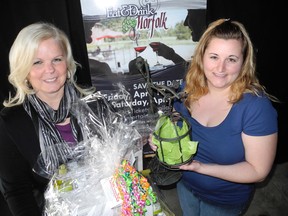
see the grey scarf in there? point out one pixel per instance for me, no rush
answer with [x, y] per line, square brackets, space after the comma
[54, 150]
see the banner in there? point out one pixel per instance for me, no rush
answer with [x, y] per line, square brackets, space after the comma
[159, 31]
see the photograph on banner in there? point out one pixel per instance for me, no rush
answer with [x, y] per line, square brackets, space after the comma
[162, 32]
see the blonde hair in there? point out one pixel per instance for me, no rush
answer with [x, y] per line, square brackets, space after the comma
[21, 57]
[247, 81]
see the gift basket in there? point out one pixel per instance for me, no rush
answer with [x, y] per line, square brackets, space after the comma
[97, 176]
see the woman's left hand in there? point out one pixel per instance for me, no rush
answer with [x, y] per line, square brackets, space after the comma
[192, 166]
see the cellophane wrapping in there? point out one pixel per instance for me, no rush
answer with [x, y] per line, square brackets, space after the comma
[109, 137]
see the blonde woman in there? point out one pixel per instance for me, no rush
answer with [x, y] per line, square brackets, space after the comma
[38, 115]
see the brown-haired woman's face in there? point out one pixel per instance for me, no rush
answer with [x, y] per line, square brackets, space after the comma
[49, 70]
[222, 62]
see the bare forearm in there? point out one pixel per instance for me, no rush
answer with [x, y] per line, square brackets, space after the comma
[240, 173]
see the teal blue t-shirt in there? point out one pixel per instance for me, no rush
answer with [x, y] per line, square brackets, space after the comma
[223, 144]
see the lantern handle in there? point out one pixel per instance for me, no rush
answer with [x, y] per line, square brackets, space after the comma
[168, 93]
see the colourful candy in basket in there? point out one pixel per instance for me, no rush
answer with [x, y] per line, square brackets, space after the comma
[134, 189]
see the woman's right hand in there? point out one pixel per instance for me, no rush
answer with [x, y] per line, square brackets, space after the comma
[151, 144]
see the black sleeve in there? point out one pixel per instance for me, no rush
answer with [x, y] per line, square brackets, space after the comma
[16, 173]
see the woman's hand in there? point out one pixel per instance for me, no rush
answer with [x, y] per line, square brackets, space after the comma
[151, 144]
[191, 166]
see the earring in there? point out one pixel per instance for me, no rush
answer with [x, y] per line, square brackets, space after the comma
[27, 83]
[68, 75]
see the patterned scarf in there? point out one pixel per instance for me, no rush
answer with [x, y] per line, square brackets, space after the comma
[49, 136]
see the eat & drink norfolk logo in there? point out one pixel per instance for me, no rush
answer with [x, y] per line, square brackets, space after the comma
[140, 17]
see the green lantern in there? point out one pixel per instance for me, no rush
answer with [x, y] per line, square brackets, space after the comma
[172, 137]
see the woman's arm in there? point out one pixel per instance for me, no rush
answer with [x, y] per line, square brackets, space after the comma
[260, 153]
[15, 174]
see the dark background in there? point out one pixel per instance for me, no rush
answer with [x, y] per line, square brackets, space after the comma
[264, 21]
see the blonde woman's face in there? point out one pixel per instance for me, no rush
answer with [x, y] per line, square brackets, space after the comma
[49, 70]
[222, 62]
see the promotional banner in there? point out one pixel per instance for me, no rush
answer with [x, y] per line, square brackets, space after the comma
[158, 31]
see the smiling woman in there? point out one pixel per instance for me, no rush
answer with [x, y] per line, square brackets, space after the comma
[45, 91]
[49, 72]
[234, 150]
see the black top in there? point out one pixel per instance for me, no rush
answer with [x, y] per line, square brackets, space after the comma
[19, 150]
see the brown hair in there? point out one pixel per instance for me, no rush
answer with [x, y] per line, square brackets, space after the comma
[247, 81]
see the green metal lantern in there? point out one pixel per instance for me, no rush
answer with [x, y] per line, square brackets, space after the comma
[172, 137]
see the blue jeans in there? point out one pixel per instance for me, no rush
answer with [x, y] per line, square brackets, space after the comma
[193, 206]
